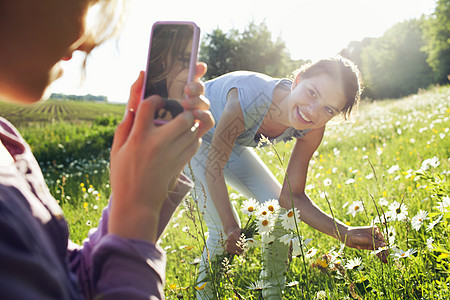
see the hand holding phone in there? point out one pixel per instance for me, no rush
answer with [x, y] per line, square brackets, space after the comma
[171, 65]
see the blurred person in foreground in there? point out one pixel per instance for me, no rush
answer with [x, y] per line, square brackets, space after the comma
[120, 259]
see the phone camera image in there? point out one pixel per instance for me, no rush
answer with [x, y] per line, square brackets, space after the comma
[171, 64]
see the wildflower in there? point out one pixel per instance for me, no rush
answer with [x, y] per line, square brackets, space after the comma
[296, 246]
[370, 176]
[418, 219]
[383, 202]
[286, 239]
[355, 207]
[443, 206]
[200, 287]
[380, 249]
[196, 261]
[311, 252]
[258, 285]
[353, 263]
[288, 220]
[292, 283]
[185, 228]
[267, 238]
[398, 211]
[249, 207]
[430, 162]
[434, 223]
[393, 169]
[88, 223]
[350, 181]
[252, 243]
[327, 182]
[320, 295]
[391, 235]
[272, 205]
[265, 225]
[323, 194]
[429, 243]
[403, 254]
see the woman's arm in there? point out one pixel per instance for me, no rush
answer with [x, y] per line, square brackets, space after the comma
[230, 125]
[293, 194]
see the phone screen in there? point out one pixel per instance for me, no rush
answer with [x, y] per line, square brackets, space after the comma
[171, 65]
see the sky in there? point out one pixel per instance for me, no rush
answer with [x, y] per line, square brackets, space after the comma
[311, 29]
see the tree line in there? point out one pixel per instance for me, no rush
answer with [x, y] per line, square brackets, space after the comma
[411, 55]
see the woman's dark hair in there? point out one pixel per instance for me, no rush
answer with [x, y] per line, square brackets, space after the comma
[345, 72]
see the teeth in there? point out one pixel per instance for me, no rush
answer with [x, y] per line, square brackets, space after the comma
[303, 116]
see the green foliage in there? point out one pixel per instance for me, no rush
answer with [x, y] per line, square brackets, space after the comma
[252, 50]
[437, 37]
[58, 130]
[394, 65]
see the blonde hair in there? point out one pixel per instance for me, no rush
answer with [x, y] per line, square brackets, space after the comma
[104, 21]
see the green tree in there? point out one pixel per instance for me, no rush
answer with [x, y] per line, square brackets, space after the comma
[253, 49]
[394, 65]
[219, 50]
[436, 31]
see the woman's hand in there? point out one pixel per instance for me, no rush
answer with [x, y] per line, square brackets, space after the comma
[145, 158]
[366, 237]
[231, 244]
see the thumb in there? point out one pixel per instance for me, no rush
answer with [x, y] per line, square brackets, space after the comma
[123, 130]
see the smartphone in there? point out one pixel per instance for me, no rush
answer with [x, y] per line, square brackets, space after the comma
[171, 64]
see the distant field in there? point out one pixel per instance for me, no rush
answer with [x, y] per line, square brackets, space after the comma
[59, 110]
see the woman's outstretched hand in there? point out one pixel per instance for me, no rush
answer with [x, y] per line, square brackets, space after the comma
[366, 237]
[145, 158]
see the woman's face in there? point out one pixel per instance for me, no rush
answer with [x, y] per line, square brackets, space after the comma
[314, 101]
[35, 36]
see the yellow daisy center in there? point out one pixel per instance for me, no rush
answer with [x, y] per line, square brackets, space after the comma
[250, 208]
[290, 214]
[265, 223]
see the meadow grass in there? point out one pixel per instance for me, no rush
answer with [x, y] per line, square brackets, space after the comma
[394, 157]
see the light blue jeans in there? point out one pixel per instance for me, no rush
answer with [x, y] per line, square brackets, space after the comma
[247, 174]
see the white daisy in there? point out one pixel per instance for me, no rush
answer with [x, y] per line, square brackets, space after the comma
[267, 238]
[403, 254]
[370, 176]
[418, 219]
[258, 285]
[327, 182]
[272, 205]
[391, 235]
[311, 252]
[393, 169]
[252, 243]
[289, 218]
[286, 239]
[398, 211]
[355, 207]
[249, 207]
[383, 202]
[265, 225]
[296, 247]
[353, 263]
[350, 181]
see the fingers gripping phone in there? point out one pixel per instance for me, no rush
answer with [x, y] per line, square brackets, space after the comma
[171, 65]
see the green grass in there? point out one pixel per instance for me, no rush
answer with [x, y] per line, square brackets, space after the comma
[374, 158]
